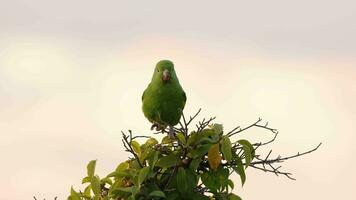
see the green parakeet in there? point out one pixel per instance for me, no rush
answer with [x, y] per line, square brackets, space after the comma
[163, 100]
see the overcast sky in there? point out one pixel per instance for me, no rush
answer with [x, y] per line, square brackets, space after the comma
[72, 74]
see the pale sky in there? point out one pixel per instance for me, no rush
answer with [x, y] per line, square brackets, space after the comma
[72, 74]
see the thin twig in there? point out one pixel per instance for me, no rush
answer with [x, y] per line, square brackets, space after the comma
[128, 147]
[240, 130]
[194, 116]
[288, 175]
[279, 159]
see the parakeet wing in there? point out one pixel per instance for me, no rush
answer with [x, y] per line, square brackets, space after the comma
[143, 94]
[184, 99]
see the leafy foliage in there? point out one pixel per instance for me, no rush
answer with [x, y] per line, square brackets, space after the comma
[193, 165]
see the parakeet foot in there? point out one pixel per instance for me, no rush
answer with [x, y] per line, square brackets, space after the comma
[156, 126]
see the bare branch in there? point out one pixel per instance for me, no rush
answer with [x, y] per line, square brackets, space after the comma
[127, 140]
[281, 159]
[231, 133]
[203, 124]
[270, 162]
[275, 171]
[194, 116]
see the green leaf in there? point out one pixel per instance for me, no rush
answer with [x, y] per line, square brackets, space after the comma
[157, 193]
[87, 191]
[74, 195]
[122, 166]
[119, 174]
[151, 142]
[143, 174]
[145, 152]
[147, 149]
[192, 138]
[86, 180]
[248, 151]
[136, 147]
[226, 148]
[91, 168]
[202, 137]
[181, 181]
[124, 192]
[200, 151]
[240, 169]
[191, 180]
[209, 180]
[218, 128]
[181, 138]
[233, 196]
[135, 165]
[167, 161]
[207, 133]
[135, 190]
[166, 140]
[106, 180]
[152, 160]
[86, 197]
[223, 177]
[95, 185]
[194, 164]
[231, 184]
[125, 189]
[207, 140]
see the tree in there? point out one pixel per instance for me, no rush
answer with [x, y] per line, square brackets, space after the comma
[194, 165]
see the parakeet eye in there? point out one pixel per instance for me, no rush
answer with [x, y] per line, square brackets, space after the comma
[157, 70]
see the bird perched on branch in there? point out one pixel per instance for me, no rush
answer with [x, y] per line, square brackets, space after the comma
[163, 100]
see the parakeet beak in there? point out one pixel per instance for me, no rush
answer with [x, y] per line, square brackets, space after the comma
[166, 76]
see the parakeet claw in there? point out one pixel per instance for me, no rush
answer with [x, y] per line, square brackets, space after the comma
[156, 126]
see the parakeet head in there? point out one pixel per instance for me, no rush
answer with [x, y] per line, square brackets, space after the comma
[164, 71]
